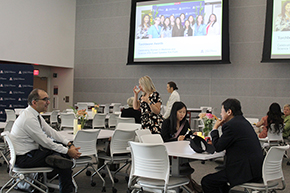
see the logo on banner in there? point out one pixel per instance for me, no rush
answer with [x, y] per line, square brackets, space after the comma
[10, 78]
[1, 99]
[19, 86]
[1, 85]
[1, 72]
[10, 92]
[10, 106]
[1, 112]
[19, 99]
[19, 72]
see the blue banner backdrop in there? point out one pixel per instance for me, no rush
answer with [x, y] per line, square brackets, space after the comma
[16, 82]
[194, 8]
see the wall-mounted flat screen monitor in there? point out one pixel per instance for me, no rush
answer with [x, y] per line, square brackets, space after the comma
[277, 32]
[177, 32]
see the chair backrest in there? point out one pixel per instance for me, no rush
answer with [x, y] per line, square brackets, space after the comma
[112, 122]
[141, 132]
[274, 137]
[67, 120]
[272, 166]
[125, 120]
[99, 120]
[8, 140]
[205, 109]
[82, 106]
[18, 111]
[152, 138]
[130, 126]
[87, 141]
[53, 116]
[150, 160]
[8, 126]
[119, 142]
[10, 115]
[116, 107]
[107, 108]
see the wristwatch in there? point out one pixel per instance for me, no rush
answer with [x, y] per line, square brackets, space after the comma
[71, 144]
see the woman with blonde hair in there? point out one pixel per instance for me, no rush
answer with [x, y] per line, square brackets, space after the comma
[149, 103]
[130, 112]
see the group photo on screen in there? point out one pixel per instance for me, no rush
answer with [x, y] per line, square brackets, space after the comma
[178, 19]
[178, 31]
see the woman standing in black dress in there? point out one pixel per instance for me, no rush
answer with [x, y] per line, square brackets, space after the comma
[149, 103]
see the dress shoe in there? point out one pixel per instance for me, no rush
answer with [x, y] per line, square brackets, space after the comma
[59, 162]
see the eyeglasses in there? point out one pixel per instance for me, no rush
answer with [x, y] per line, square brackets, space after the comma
[45, 99]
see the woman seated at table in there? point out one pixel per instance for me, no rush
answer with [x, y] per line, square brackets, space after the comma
[131, 112]
[272, 121]
[176, 128]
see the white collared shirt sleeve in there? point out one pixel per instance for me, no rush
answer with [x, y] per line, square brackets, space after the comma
[172, 99]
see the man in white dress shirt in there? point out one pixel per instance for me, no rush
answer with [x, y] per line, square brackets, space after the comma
[171, 88]
[34, 142]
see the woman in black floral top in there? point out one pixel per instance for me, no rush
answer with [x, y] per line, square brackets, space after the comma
[149, 103]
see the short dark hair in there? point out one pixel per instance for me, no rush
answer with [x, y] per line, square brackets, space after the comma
[173, 85]
[234, 105]
[33, 95]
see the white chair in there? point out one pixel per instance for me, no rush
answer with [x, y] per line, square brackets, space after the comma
[112, 122]
[141, 132]
[116, 108]
[119, 153]
[205, 109]
[22, 174]
[129, 126]
[82, 106]
[87, 140]
[4, 150]
[10, 115]
[99, 121]
[67, 120]
[151, 169]
[68, 111]
[18, 111]
[125, 120]
[53, 118]
[272, 172]
[152, 138]
[8, 126]
[107, 109]
[273, 139]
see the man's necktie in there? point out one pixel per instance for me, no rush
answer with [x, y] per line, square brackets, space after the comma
[39, 121]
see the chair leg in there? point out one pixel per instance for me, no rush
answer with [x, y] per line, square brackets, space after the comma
[6, 184]
[4, 157]
[96, 172]
[120, 168]
[110, 174]
[48, 182]
[39, 183]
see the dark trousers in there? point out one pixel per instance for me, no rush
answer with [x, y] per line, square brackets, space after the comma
[215, 183]
[36, 158]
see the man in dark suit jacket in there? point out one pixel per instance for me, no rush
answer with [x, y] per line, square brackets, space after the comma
[244, 156]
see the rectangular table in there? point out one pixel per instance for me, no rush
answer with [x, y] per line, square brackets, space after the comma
[182, 149]
[104, 134]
